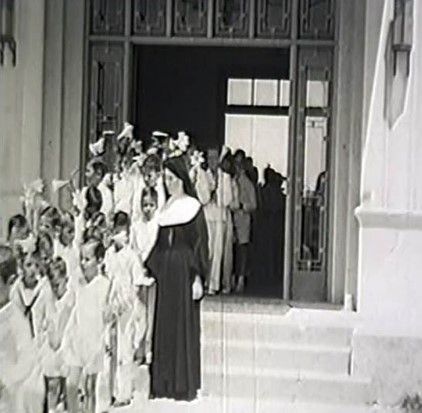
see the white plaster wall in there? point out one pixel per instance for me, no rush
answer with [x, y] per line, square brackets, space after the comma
[41, 99]
[390, 271]
[21, 108]
[63, 70]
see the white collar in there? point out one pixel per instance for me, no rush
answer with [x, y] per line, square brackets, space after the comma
[179, 211]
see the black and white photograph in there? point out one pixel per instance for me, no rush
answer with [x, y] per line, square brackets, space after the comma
[210, 206]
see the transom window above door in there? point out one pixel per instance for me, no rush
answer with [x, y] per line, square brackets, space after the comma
[258, 92]
[220, 19]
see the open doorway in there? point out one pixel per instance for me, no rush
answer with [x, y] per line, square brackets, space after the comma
[228, 96]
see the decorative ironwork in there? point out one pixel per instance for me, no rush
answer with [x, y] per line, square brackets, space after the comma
[190, 17]
[316, 19]
[310, 238]
[273, 18]
[108, 17]
[7, 29]
[232, 18]
[106, 86]
[150, 17]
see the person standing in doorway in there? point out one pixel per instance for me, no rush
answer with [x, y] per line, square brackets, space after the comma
[242, 219]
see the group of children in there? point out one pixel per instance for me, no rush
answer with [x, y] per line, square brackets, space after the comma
[80, 286]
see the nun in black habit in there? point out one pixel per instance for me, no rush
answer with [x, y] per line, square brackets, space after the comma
[179, 262]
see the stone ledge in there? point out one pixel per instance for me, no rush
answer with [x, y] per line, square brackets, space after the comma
[387, 218]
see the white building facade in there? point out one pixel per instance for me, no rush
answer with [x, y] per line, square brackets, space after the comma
[375, 197]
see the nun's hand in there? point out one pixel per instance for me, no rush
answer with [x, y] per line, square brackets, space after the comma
[197, 289]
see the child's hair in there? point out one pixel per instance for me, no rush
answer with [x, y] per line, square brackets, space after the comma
[148, 192]
[52, 214]
[90, 232]
[18, 221]
[99, 249]
[8, 265]
[121, 219]
[98, 220]
[57, 266]
[227, 164]
[152, 162]
[67, 218]
[43, 239]
[240, 153]
[99, 167]
[94, 202]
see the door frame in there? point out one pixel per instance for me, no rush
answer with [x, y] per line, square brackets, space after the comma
[128, 40]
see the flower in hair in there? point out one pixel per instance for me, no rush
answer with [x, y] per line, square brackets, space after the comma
[197, 159]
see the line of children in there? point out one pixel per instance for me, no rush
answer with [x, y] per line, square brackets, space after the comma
[82, 289]
[80, 275]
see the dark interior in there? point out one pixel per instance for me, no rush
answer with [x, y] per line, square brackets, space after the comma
[184, 87]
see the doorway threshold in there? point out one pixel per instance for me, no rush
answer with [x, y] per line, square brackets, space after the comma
[248, 304]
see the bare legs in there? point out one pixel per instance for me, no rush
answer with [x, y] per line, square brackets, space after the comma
[90, 401]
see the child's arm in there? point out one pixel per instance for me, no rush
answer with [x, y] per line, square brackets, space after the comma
[138, 273]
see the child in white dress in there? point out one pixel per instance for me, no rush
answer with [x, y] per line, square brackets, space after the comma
[123, 187]
[150, 177]
[58, 314]
[21, 386]
[143, 236]
[66, 247]
[124, 268]
[84, 338]
[30, 295]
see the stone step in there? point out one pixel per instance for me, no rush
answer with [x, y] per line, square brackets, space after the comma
[270, 329]
[287, 386]
[278, 357]
[245, 405]
[237, 405]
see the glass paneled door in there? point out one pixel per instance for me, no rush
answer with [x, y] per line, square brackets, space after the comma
[311, 171]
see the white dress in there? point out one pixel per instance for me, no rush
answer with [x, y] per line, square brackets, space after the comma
[20, 362]
[70, 255]
[123, 193]
[143, 235]
[37, 299]
[84, 340]
[127, 273]
[58, 315]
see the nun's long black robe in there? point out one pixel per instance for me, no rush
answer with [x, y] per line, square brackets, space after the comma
[180, 253]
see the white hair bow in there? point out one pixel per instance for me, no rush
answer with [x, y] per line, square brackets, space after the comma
[180, 145]
[127, 131]
[97, 148]
[57, 184]
[78, 200]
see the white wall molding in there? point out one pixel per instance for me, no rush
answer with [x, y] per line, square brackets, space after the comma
[370, 217]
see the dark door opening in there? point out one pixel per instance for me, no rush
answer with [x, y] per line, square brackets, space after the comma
[185, 88]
